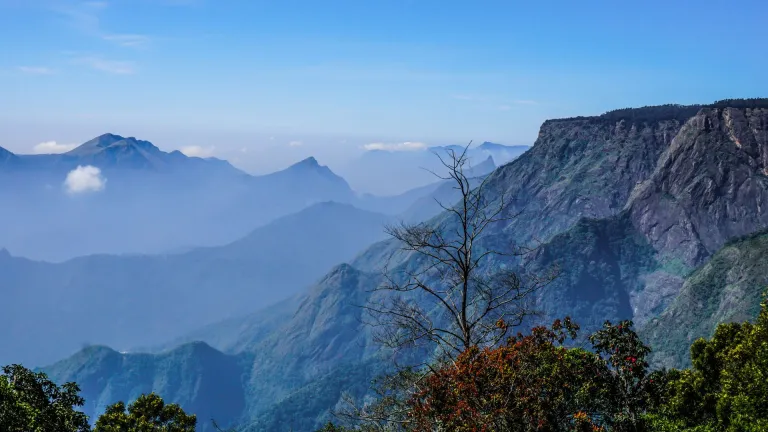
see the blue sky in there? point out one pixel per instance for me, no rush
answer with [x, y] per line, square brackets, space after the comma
[266, 82]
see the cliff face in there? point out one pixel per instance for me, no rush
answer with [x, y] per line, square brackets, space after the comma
[710, 184]
[579, 168]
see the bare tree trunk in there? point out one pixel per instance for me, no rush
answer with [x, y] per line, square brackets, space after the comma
[453, 301]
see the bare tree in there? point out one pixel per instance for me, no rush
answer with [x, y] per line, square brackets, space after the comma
[462, 295]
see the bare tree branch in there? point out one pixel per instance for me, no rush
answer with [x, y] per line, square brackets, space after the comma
[458, 298]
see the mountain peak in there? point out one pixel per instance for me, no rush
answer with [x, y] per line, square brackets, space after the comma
[309, 162]
[108, 140]
[308, 165]
[6, 155]
[486, 145]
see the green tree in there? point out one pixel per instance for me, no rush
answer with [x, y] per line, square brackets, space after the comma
[628, 389]
[29, 401]
[149, 413]
[726, 390]
[330, 427]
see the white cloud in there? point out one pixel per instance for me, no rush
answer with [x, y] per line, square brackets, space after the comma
[110, 66]
[36, 70]
[128, 40]
[295, 144]
[84, 179]
[198, 151]
[50, 147]
[404, 146]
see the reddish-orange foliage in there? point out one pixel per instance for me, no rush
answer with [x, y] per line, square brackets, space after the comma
[532, 383]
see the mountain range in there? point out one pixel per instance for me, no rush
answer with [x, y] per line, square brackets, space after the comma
[389, 172]
[655, 214]
[137, 198]
[124, 301]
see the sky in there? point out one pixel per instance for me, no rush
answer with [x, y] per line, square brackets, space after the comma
[266, 83]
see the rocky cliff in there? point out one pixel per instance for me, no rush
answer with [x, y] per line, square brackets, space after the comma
[709, 185]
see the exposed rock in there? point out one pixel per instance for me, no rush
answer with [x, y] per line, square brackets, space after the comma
[709, 185]
[579, 168]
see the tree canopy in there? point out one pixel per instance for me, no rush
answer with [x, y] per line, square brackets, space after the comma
[30, 402]
[537, 382]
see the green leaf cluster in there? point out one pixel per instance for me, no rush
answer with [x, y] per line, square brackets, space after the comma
[726, 389]
[30, 402]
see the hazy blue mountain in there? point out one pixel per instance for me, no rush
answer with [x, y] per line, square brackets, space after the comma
[422, 203]
[395, 204]
[200, 378]
[160, 201]
[429, 206]
[111, 152]
[126, 301]
[636, 206]
[151, 202]
[384, 172]
[485, 167]
[237, 334]
[7, 159]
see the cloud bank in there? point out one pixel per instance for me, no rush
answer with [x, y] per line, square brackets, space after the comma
[84, 179]
[404, 146]
[198, 151]
[52, 147]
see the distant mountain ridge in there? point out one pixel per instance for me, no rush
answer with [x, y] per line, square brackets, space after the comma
[162, 200]
[412, 168]
[109, 151]
[132, 300]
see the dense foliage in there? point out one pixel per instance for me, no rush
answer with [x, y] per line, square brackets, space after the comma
[727, 387]
[536, 382]
[30, 402]
[148, 413]
[655, 113]
[646, 114]
[741, 103]
[540, 381]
